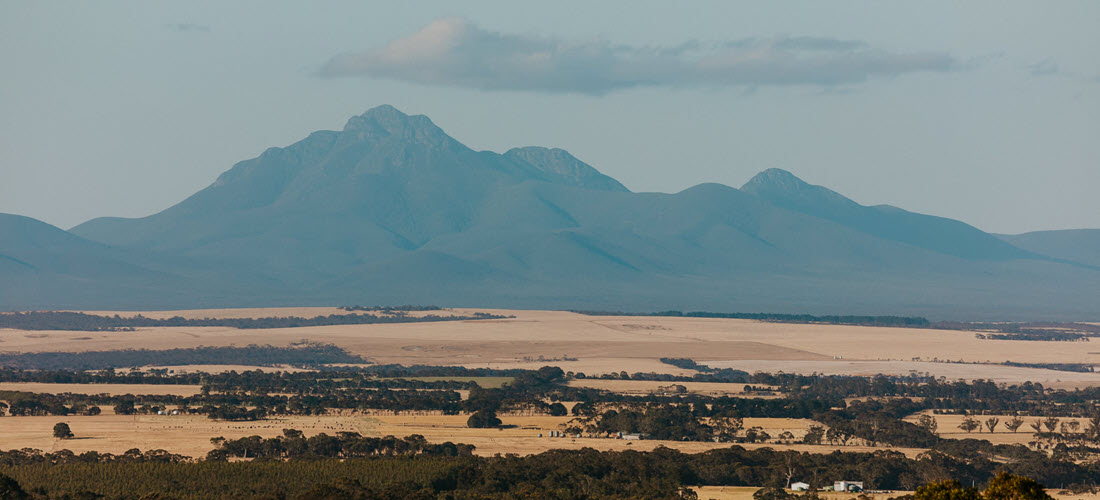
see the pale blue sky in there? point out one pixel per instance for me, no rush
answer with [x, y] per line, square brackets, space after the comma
[988, 112]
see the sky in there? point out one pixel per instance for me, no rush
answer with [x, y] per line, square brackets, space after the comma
[986, 112]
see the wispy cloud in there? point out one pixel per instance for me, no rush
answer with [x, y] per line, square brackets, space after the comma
[454, 52]
[188, 27]
[1046, 67]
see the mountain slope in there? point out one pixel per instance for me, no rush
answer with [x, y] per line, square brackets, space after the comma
[1075, 245]
[938, 234]
[44, 265]
[393, 210]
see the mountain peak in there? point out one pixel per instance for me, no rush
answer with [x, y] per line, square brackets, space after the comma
[787, 190]
[775, 179]
[565, 167]
[386, 120]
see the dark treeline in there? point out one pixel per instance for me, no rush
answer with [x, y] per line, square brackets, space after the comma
[662, 473]
[390, 309]
[1034, 331]
[302, 354]
[898, 321]
[294, 445]
[59, 320]
[384, 388]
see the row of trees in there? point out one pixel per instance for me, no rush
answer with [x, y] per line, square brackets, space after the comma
[76, 321]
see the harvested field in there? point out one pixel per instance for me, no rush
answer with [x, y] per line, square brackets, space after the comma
[190, 435]
[606, 344]
[948, 427]
[112, 389]
[951, 371]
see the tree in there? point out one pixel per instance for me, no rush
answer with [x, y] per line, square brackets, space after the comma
[946, 490]
[928, 423]
[125, 408]
[991, 424]
[969, 424]
[483, 419]
[1037, 425]
[1007, 486]
[61, 431]
[1093, 430]
[1014, 424]
[1051, 423]
[558, 410]
[814, 435]
[726, 428]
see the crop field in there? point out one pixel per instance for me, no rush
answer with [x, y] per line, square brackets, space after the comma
[190, 434]
[112, 389]
[607, 344]
[948, 427]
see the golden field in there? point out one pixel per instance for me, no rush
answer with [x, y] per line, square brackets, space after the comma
[605, 344]
[190, 434]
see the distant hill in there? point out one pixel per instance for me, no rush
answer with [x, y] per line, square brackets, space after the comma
[393, 210]
[41, 265]
[1075, 245]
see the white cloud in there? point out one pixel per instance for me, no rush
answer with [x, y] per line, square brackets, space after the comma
[454, 52]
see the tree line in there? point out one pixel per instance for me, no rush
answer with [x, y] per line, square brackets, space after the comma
[64, 320]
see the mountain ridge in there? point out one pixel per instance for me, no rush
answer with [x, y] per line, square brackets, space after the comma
[392, 209]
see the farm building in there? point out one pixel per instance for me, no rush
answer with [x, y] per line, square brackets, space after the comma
[855, 486]
[799, 486]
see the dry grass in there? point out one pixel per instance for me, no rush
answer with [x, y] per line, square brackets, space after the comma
[603, 344]
[948, 427]
[190, 435]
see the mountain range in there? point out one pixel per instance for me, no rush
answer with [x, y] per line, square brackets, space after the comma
[392, 210]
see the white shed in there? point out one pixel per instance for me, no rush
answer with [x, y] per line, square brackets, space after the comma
[799, 486]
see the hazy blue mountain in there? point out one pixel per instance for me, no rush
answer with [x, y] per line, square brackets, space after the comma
[1076, 245]
[393, 210]
[939, 234]
[42, 264]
